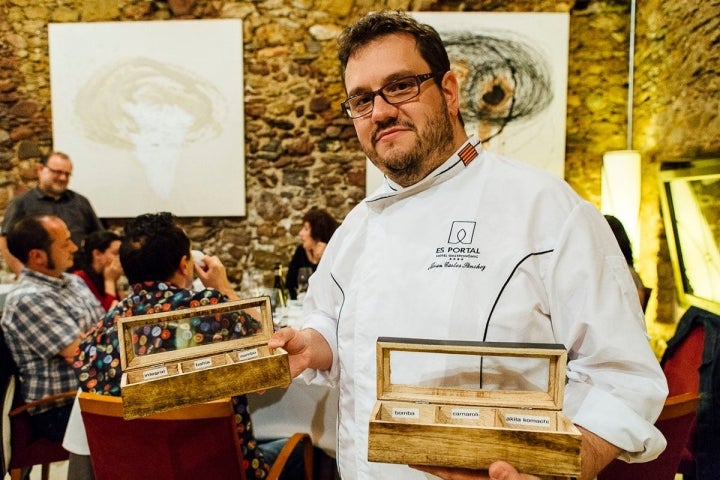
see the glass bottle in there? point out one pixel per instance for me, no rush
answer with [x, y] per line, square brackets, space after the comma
[279, 286]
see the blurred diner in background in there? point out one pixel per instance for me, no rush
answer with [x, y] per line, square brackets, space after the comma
[100, 267]
[318, 227]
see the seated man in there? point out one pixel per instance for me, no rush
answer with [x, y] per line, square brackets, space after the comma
[45, 316]
[155, 255]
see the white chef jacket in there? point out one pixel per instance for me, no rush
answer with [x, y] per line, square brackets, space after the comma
[496, 251]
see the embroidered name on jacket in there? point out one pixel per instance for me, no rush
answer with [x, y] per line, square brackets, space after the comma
[457, 253]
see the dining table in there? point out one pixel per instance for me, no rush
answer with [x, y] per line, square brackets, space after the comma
[313, 409]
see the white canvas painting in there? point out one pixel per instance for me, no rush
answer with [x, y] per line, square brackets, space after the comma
[151, 114]
[512, 69]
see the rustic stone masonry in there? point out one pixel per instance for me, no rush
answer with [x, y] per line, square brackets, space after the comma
[300, 150]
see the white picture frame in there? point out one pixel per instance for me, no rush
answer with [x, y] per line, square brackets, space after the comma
[151, 114]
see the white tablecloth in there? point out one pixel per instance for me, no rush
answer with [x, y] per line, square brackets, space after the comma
[280, 412]
[312, 409]
[75, 440]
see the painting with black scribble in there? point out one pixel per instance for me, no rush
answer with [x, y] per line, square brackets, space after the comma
[512, 71]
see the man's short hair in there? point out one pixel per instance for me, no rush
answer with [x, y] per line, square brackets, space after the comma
[380, 24]
[27, 234]
[44, 159]
[153, 245]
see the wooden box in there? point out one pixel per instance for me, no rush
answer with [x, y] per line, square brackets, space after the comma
[194, 355]
[447, 425]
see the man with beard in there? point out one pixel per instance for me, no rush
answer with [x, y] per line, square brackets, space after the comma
[45, 315]
[462, 244]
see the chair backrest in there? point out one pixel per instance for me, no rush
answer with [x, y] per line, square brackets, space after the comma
[682, 367]
[193, 442]
[677, 419]
[7, 393]
[21, 447]
[675, 423]
[682, 370]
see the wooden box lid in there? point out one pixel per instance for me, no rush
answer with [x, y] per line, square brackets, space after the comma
[551, 398]
[137, 334]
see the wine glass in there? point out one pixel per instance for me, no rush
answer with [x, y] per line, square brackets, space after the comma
[303, 278]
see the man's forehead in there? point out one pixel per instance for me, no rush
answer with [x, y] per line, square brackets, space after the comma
[388, 56]
[58, 160]
[54, 224]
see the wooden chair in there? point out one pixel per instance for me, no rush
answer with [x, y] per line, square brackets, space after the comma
[193, 442]
[675, 423]
[682, 372]
[21, 448]
[677, 419]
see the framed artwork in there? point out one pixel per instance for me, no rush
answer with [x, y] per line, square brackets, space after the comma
[512, 70]
[151, 114]
[690, 201]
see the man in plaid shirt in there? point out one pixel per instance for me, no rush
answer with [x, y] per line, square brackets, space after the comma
[45, 315]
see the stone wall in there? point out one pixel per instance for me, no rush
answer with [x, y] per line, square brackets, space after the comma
[301, 152]
[677, 112]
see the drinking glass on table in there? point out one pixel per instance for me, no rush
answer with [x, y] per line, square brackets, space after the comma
[302, 281]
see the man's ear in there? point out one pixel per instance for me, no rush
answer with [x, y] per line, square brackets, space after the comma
[37, 257]
[451, 90]
[184, 264]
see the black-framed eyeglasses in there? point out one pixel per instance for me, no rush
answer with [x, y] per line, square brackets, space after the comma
[395, 92]
[58, 172]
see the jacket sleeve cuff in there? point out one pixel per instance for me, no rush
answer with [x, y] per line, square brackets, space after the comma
[611, 419]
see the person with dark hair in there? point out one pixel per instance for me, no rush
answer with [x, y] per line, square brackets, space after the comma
[156, 258]
[51, 196]
[100, 266]
[44, 316]
[463, 244]
[626, 248]
[318, 227]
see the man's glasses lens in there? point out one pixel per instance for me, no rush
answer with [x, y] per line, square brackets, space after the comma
[58, 172]
[398, 91]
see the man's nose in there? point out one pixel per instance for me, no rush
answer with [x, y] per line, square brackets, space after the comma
[382, 108]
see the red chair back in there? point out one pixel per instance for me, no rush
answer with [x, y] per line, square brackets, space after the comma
[682, 368]
[188, 443]
[27, 449]
[21, 448]
[677, 420]
[682, 371]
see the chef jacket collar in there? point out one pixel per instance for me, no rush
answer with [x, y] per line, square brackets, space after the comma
[457, 162]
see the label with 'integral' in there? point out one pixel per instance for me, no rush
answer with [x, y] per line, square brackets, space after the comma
[155, 373]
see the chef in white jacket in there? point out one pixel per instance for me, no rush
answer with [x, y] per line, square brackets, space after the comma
[461, 244]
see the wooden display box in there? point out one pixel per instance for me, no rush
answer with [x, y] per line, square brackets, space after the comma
[184, 357]
[471, 428]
